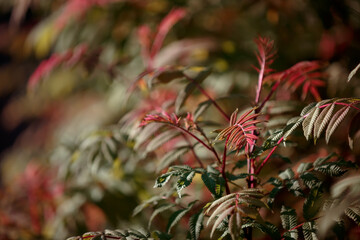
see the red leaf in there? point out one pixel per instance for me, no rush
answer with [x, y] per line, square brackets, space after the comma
[240, 133]
[143, 34]
[306, 73]
[266, 53]
[70, 57]
[162, 117]
[75, 9]
[150, 51]
[166, 24]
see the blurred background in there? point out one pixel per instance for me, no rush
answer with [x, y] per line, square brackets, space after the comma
[66, 65]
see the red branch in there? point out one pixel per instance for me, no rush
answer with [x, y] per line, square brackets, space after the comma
[203, 91]
[268, 156]
[223, 167]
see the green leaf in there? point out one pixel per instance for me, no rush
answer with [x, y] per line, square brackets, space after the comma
[312, 203]
[291, 126]
[213, 181]
[196, 225]
[272, 195]
[184, 180]
[163, 179]
[210, 182]
[180, 169]
[289, 222]
[309, 231]
[288, 217]
[287, 174]
[332, 169]
[176, 216]
[275, 181]
[311, 179]
[294, 187]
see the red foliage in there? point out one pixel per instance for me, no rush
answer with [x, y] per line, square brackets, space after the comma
[162, 117]
[33, 201]
[240, 133]
[306, 73]
[148, 50]
[265, 55]
[70, 58]
[77, 8]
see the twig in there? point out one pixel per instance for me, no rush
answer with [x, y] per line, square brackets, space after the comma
[203, 91]
[298, 226]
[268, 156]
[260, 81]
[200, 141]
[273, 89]
[223, 167]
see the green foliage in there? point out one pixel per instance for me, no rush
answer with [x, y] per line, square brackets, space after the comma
[196, 225]
[175, 102]
[237, 206]
[309, 231]
[185, 176]
[289, 222]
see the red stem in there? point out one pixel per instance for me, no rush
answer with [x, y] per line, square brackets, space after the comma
[281, 139]
[251, 161]
[260, 80]
[223, 167]
[268, 156]
[200, 141]
[343, 104]
[298, 226]
[209, 97]
[273, 89]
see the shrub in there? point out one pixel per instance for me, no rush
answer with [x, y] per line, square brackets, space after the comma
[230, 162]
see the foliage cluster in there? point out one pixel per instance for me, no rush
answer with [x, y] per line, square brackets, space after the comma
[237, 148]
